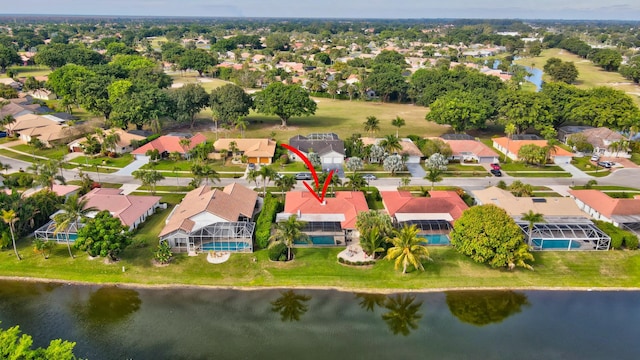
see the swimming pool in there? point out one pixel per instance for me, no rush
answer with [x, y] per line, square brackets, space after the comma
[225, 246]
[435, 239]
[318, 240]
[555, 244]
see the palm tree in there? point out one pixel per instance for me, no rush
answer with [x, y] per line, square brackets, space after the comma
[148, 178]
[267, 173]
[287, 232]
[391, 144]
[111, 140]
[6, 121]
[356, 181]
[407, 249]
[434, 175]
[241, 123]
[10, 218]
[71, 212]
[509, 130]
[285, 183]
[532, 218]
[47, 174]
[371, 242]
[372, 125]
[185, 144]
[398, 122]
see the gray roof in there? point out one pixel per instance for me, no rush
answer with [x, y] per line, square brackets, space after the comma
[320, 144]
[457, 137]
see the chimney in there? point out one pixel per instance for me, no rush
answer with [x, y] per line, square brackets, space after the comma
[324, 202]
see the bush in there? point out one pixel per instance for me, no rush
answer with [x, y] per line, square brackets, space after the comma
[265, 219]
[19, 179]
[356, 263]
[278, 252]
[619, 238]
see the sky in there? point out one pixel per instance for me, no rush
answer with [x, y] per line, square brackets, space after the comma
[495, 9]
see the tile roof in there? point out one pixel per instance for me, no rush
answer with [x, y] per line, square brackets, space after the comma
[516, 206]
[515, 145]
[64, 190]
[29, 121]
[250, 147]
[127, 208]
[440, 202]
[346, 203]
[459, 147]
[607, 205]
[229, 204]
[169, 143]
[321, 146]
[407, 145]
[602, 137]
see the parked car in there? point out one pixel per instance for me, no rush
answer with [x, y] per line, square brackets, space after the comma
[495, 166]
[595, 157]
[251, 166]
[369, 177]
[605, 164]
[303, 176]
[496, 172]
[3, 134]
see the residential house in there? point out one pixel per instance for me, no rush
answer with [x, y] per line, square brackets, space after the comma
[46, 128]
[15, 109]
[565, 226]
[131, 210]
[623, 213]
[331, 222]
[215, 220]
[257, 151]
[604, 142]
[408, 147]
[433, 215]
[123, 146]
[510, 147]
[328, 146]
[471, 151]
[167, 144]
[43, 94]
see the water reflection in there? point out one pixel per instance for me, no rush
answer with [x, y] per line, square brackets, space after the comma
[481, 308]
[109, 305]
[369, 301]
[403, 314]
[290, 306]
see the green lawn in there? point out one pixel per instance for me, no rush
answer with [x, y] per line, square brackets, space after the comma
[57, 152]
[546, 174]
[460, 167]
[519, 166]
[589, 167]
[607, 187]
[15, 155]
[117, 162]
[31, 70]
[186, 77]
[589, 75]
[635, 157]
[342, 117]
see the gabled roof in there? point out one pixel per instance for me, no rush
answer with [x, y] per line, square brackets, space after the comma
[229, 204]
[250, 147]
[29, 121]
[607, 205]
[13, 109]
[348, 204]
[64, 190]
[440, 202]
[460, 147]
[408, 146]
[320, 145]
[598, 136]
[127, 208]
[125, 138]
[514, 146]
[169, 143]
[516, 206]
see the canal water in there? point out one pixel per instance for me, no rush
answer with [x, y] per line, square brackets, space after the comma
[120, 323]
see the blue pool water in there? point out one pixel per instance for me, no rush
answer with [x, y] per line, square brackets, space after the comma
[436, 239]
[62, 237]
[556, 244]
[318, 240]
[225, 246]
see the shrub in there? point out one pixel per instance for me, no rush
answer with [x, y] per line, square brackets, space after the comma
[619, 238]
[265, 219]
[278, 252]
[163, 253]
[631, 242]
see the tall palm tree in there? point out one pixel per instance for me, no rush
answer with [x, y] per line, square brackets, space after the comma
[434, 175]
[398, 122]
[285, 183]
[241, 123]
[111, 140]
[391, 144]
[287, 232]
[407, 249]
[356, 181]
[532, 218]
[148, 178]
[185, 144]
[372, 125]
[509, 130]
[48, 173]
[10, 218]
[6, 121]
[71, 212]
[267, 173]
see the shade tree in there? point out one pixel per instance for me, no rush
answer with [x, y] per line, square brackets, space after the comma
[284, 101]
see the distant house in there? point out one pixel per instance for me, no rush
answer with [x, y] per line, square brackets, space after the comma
[565, 226]
[46, 128]
[65, 190]
[124, 145]
[167, 144]
[433, 215]
[332, 222]
[16, 110]
[603, 141]
[472, 151]
[328, 146]
[624, 213]
[408, 147]
[43, 94]
[129, 209]
[257, 151]
[215, 219]
[510, 147]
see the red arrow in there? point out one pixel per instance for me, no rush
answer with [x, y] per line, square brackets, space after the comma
[313, 173]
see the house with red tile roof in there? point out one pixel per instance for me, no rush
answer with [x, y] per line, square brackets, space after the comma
[510, 147]
[624, 213]
[333, 219]
[213, 219]
[167, 144]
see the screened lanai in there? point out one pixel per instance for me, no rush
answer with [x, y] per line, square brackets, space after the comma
[224, 236]
[428, 226]
[566, 236]
[48, 232]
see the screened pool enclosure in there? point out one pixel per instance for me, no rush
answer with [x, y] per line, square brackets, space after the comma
[566, 236]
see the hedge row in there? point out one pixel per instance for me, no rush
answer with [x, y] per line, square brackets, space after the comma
[356, 263]
[263, 225]
[619, 238]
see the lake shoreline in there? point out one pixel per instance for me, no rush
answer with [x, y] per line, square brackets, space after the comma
[334, 288]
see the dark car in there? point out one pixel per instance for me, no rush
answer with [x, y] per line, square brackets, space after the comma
[3, 134]
[605, 164]
[303, 176]
[496, 172]
[495, 166]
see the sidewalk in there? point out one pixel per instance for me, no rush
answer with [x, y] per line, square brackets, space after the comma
[574, 171]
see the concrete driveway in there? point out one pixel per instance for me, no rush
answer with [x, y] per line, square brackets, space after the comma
[139, 162]
[416, 170]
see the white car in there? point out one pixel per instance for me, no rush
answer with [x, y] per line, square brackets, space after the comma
[595, 157]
